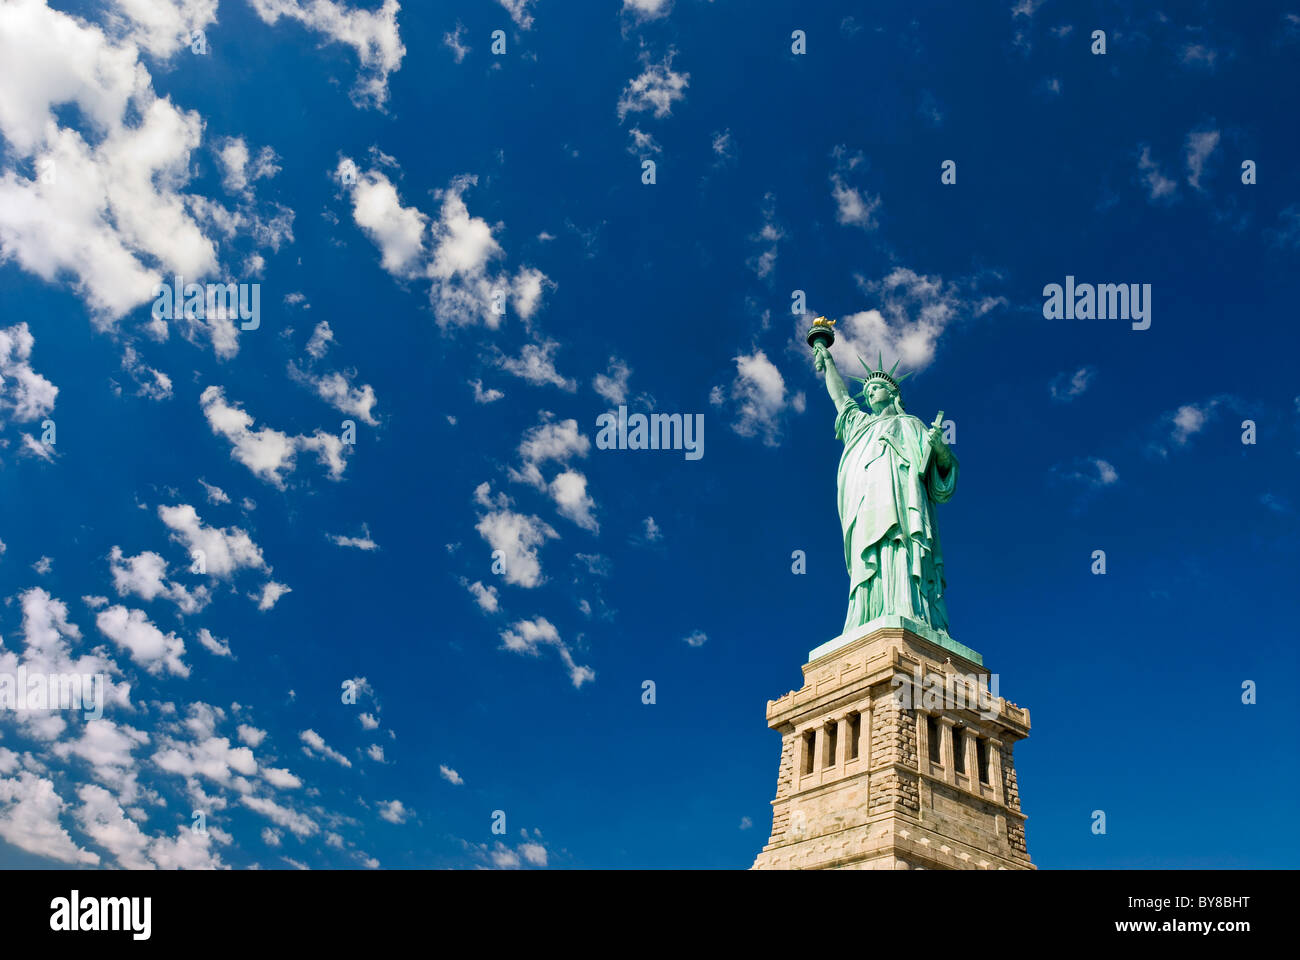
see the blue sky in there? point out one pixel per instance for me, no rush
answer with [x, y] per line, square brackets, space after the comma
[389, 182]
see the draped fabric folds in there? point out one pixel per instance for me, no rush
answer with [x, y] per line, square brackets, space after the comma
[889, 483]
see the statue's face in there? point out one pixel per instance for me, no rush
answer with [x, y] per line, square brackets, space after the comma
[878, 395]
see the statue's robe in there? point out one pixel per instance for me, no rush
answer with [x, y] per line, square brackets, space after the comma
[889, 482]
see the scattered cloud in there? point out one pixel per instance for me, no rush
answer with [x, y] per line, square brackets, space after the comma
[1200, 145]
[394, 811]
[486, 597]
[363, 542]
[372, 34]
[757, 397]
[314, 745]
[655, 89]
[1159, 187]
[516, 536]
[527, 637]
[268, 453]
[767, 240]
[25, 395]
[1065, 387]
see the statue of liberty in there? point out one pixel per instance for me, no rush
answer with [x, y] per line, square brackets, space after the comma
[893, 471]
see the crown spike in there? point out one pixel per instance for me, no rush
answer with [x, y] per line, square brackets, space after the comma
[894, 367]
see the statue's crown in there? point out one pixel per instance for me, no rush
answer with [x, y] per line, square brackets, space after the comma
[879, 374]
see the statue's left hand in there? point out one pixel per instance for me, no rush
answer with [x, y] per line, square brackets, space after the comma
[935, 436]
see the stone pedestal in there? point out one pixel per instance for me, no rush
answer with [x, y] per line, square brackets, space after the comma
[896, 754]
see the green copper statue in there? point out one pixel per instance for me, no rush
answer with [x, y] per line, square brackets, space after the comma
[893, 471]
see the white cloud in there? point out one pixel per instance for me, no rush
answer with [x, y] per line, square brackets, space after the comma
[271, 593]
[1066, 387]
[465, 287]
[569, 491]
[375, 752]
[519, 12]
[48, 635]
[210, 757]
[1199, 55]
[650, 530]
[642, 143]
[453, 41]
[225, 550]
[363, 542]
[536, 364]
[368, 721]
[251, 735]
[29, 819]
[214, 645]
[548, 441]
[767, 240]
[450, 775]
[239, 169]
[517, 536]
[914, 312]
[1188, 420]
[852, 208]
[25, 395]
[372, 34]
[759, 398]
[1106, 474]
[314, 744]
[281, 778]
[1159, 187]
[463, 291]
[485, 597]
[108, 748]
[186, 851]
[34, 448]
[535, 853]
[647, 9]
[321, 337]
[503, 858]
[215, 494]
[104, 822]
[656, 89]
[99, 213]
[397, 231]
[297, 823]
[528, 636]
[145, 575]
[394, 811]
[1091, 472]
[336, 389]
[558, 441]
[43, 566]
[696, 639]
[1200, 144]
[267, 452]
[613, 385]
[489, 395]
[148, 646]
[1025, 8]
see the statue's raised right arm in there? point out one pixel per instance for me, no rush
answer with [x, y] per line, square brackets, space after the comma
[824, 363]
